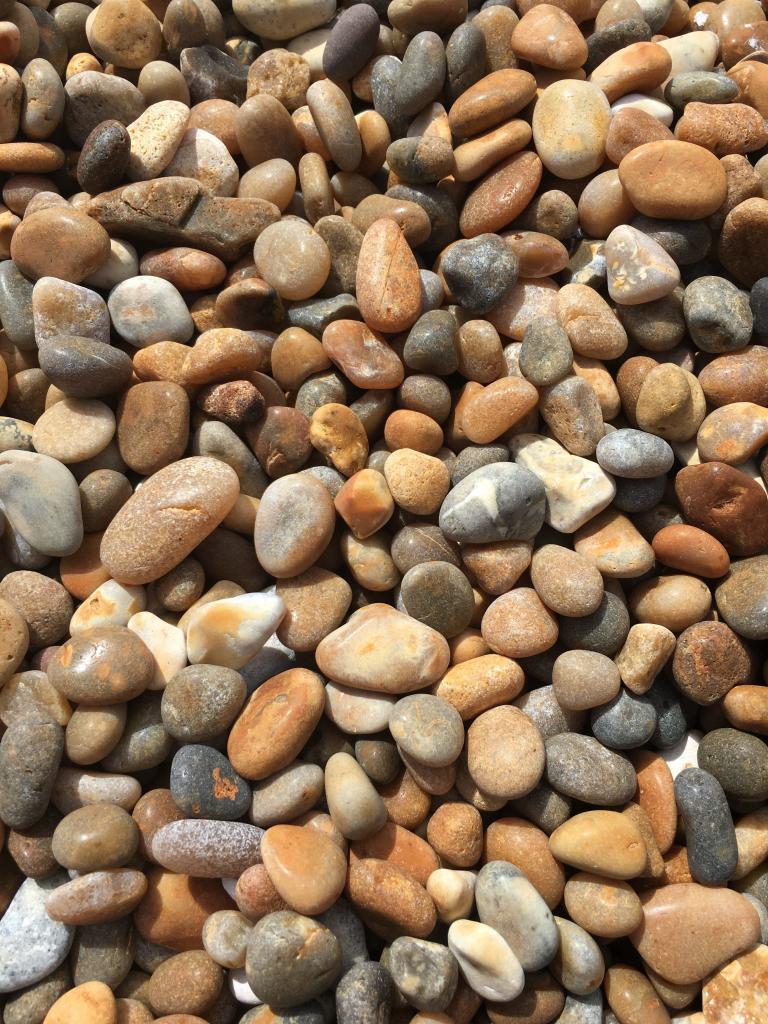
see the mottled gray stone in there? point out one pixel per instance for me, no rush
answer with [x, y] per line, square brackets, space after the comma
[710, 837]
[508, 902]
[291, 959]
[634, 453]
[32, 945]
[582, 768]
[425, 973]
[502, 501]
[718, 314]
[626, 722]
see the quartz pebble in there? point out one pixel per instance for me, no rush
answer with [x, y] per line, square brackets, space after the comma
[383, 514]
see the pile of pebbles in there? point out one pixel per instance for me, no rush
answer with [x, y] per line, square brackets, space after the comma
[383, 512]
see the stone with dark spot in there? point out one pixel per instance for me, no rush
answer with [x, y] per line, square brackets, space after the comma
[84, 367]
[30, 754]
[205, 785]
[212, 74]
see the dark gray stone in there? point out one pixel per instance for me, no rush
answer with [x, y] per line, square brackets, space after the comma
[31, 1005]
[657, 326]
[16, 306]
[710, 837]
[582, 768]
[438, 206]
[608, 40]
[205, 785]
[212, 74]
[351, 43]
[422, 73]
[700, 87]
[384, 79]
[379, 759]
[348, 929]
[739, 762]
[624, 723]
[439, 595]
[758, 302]
[84, 367]
[639, 495]
[103, 952]
[475, 457]
[30, 754]
[430, 346]
[502, 501]
[546, 356]
[364, 994]
[635, 454]
[671, 723]
[479, 271]
[144, 743]
[314, 315]
[718, 314]
[545, 807]
[604, 631]
[686, 241]
[465, 57]
[548, 716]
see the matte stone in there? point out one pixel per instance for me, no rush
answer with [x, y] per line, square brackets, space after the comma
[604, 631]
[103, 160]
[479, 271]
[739, 762]
[30, 753]
[291, 959]
[32, 945]
[627, 721]
[364, 995]
[507, 901]
[582, 768]
[426, 973]
[709, 833]
[502, 501]
[212, 74]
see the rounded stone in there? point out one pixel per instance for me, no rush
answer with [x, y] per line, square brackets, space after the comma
[627, 721]
[94, 838]
[582, 768]
[425, 973]
[428, 729]
[102, 665]
[187, 983]
[709, 833]
[82, 245]
[505, 752]
[128, 304]
[307, 868]
[103, 160]
[566, 581]
[502, 501]
[438, 594]
[508, 902]
[291, 959]
[602, 842]
[205, 785]
[305, 513]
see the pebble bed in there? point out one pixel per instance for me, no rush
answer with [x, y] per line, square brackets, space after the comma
[383, 512]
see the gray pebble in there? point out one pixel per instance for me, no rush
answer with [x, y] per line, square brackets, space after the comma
[84, 368]
[16, 306]
[656, 12]
[718, 314]
[604, 631]
[342, 920]
[742, 597]
[31, 1005]
[314, 315]
[624, 723]
[291, 959]
[582, 768]
[546, 356]
[542, 708]
[739, 762]
[639, 495]
[351, 43]
[634, 453]
[430, 347]
[329, 477]
[686, 241]
[205, 785]
[545, 807]
[425, 973]
[502, 501]
[286, 794]
[475, 457]
[758, 302]
[384, 81]
[103, 952]
[318, 390]
[465, 56]
[364, 994]
[427, 728]
[508, 902]
[700, 87]
[479, 271]
[438, 206]
[608, 40]
[30, 754]
[32, 945]
[755, 883]
[432, 291]
[164, 314]
[710, 837]
[210, 74]
[144, 743]
[671, 724]
[439, 595]
[658, 325]
[422, 73]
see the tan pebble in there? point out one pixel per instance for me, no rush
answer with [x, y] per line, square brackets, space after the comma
[566, 581]
[496, 409]
[364, 502]
[390, 901]
[672, 601]
[646, 650]
[655, 794]
[602, 842]
[306, 867]
[407, 804]
[548, 36]
[584, 679]
[399, 846]
[480, 683]
[639, 67]
[362, 354]
[505, 752]
[519, 625]
[495, 98]
[606, 907]
[316, 602]
[336, 432]
[187, 983]
[658, 176]
[632, 996]
[521, 843]
[90, 1003]
[417, 482]
[746, 707]
[613, 544]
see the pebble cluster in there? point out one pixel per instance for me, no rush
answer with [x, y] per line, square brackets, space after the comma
[383, 512]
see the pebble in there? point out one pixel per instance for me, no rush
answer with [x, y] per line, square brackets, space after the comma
[582, 768]
[425, 973]
[509, 904]
[709, 833]
[498, 502]
[291, 959]
[83, 248]
[693, 907]
[33, 945]
[206, 848]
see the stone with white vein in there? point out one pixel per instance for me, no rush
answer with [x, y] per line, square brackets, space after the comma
[489, 966]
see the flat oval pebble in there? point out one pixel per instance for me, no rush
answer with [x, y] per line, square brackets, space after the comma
[507, 902]
[581, 767]
[205, 848]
